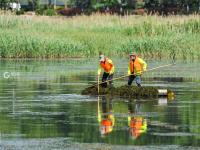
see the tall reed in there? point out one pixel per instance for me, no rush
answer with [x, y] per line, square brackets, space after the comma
[83, 36]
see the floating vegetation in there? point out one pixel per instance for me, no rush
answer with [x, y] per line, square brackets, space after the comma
[124, 91]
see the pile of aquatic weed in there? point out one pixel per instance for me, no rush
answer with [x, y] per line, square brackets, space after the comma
[123, 91]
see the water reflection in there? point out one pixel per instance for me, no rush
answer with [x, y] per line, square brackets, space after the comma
[44, 104]
[106, 116]
[164, 101]
[136, 122]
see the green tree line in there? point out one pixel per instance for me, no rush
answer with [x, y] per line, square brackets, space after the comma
[118, 5]
[136, 4]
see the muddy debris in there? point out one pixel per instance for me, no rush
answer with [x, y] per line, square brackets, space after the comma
[123, 91]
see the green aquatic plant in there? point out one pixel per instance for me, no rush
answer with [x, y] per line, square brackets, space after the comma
[175, 37]
[123, 91]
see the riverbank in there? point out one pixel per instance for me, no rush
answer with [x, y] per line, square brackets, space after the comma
[83, 36]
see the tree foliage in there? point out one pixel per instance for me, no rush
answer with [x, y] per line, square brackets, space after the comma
[96, 4]
[189, 5]
[4, 3]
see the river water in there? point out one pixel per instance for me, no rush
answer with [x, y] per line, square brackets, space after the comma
[41, 107]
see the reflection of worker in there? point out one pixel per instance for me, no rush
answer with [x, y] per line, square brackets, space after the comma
[107, 65]
[137, 124]
[106, 118]
[135, 69]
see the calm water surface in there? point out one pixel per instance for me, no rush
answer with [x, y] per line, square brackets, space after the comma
[41, 108]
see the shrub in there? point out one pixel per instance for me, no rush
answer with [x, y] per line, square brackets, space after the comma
[40, 11]
[20, 12]
[69, 11]
[139, 11]
[50, 12]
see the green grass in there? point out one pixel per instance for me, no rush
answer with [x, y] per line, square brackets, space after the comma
[176, 37]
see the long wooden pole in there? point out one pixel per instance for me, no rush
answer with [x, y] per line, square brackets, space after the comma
[133, 74]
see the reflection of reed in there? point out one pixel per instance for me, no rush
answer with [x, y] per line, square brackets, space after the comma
[164, 125]
[181, 72]
[13, 101]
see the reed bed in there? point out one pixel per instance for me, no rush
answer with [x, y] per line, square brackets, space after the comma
[175, 37]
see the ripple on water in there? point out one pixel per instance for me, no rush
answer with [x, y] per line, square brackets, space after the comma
[68, 98]
[66, 144]
[173, 134]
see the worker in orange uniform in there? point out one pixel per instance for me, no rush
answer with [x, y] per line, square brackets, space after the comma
[135, 69]
[107, 65]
